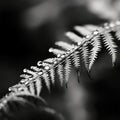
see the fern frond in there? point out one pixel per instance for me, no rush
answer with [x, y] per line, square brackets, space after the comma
[52, 75]
[34, 68]
[60, 71]
[76, 63]
[76, 59]
[94, 51]
[25, 76]
[46, 79]
[117, 31]
[92, 27]
[87, 47]
[64, 45]
[75, 38]
[85, 54]
[110, 45]
[38, 86]
[82, 30]
[56, 51]
[71, 53]
[15, 88]
[67, 69]
[32, 73]
[49, 60]
[32, 88]
[118, 34]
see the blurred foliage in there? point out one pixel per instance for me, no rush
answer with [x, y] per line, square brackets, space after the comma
[27, 107]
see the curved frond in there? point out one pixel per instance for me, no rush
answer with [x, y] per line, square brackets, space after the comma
[117, 33]
[64, 45]
[110, 45]
[87, 47]
[52, 75]
[60, 71]
[75, 38]
[38, 86]
[76, 59]
[67, 69]
[56, 51]
[32, 88]
[85, 54]
[82, 30]
[92, 27]
[46, 79]
[94, 51]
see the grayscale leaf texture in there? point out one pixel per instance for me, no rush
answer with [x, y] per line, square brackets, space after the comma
[84, 49]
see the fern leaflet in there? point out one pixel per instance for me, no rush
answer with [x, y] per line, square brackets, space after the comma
[67, 69]
[94, 51]
[110, 45]
[60, 70]
[85, 54]
[76, 59]
[52, 75]
[46, 79]
[38, 86]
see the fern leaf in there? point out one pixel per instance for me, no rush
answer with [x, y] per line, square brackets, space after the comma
[117, 33]
[110, 45]
[36, 69]
[67, 69]
[91, 27]
[32, 88]
[94, 51]
[64, 45]
[82, 30]
[56, 51]
[117, 30]
[45, 70]
[76, 59]
[52, 75]
[30, 72]
[15, 88]
[60, 71]
[76, 63]
[49, 60]
[49, 66]
[38, 86]
[75, 38]
[46, 80]
[25, 76]
[85, 54]
[25, 90]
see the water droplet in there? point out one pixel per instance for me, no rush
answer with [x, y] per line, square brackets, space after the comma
[79, 43]
[87, 36]
[51, 50]
[25, 70]
[95, 32]
[47, 67]
[112, 25]
[59, 55]
[39, 63]
[40, 73]
[62, 56]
